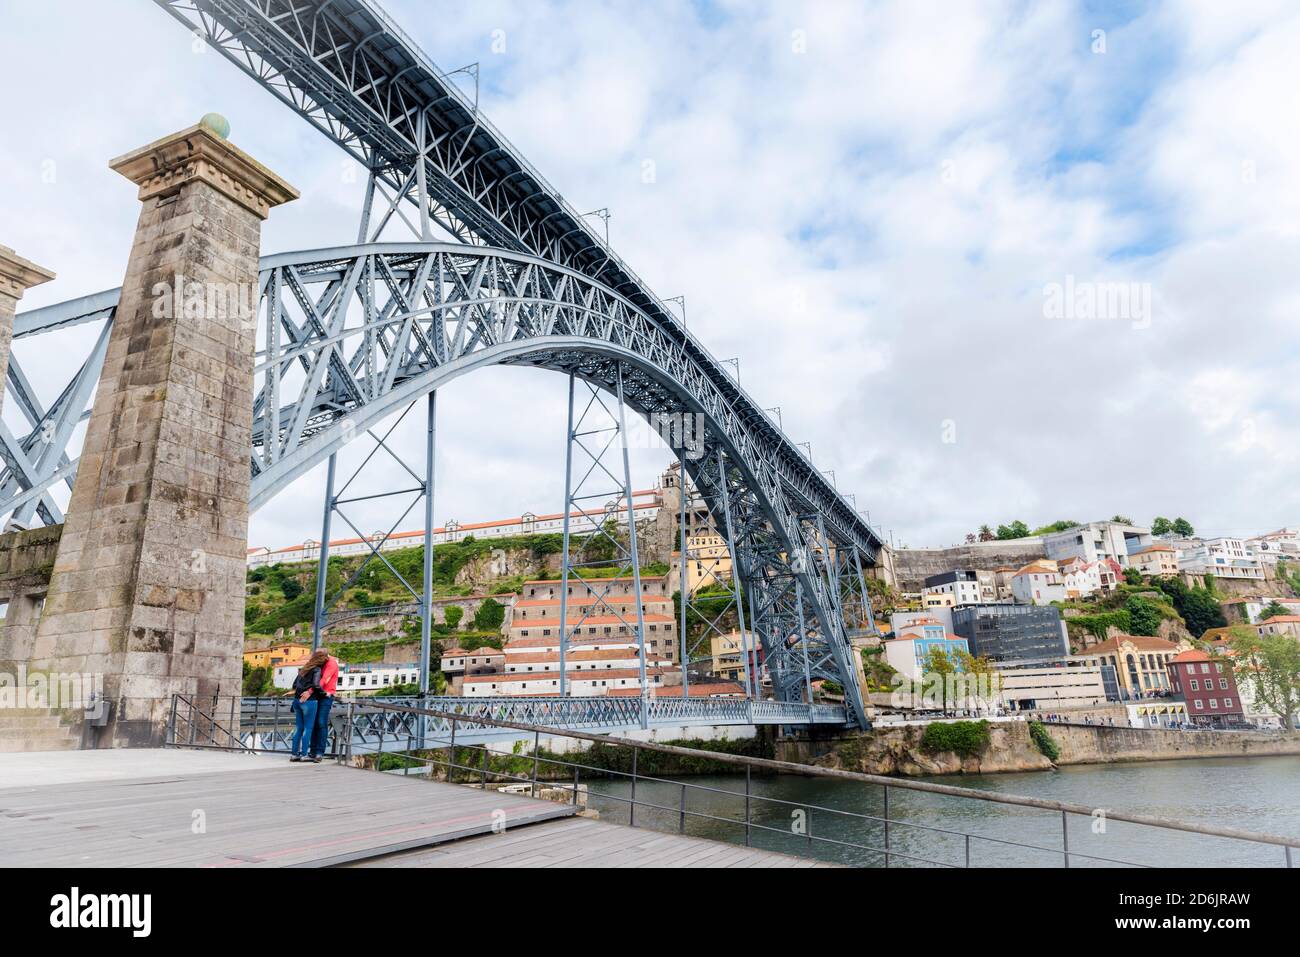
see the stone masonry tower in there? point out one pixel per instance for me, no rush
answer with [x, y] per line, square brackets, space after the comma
[148, 585]
[17, 275]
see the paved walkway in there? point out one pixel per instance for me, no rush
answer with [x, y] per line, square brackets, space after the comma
[173, 808]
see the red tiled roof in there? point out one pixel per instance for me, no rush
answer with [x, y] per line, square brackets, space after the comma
[1141, 642]
[593, 620]
[675, 691]
[596, 674]
[1193, 654]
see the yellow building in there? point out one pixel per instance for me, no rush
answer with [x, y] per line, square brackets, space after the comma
[708, 562]
[728, 656]
[1139, 661]
[276, 655]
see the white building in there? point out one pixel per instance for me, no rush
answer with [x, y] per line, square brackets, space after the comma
[646, 504]
[1282, 544]
[1038, 583]
[1222, 558]
[1050, 688]
[1082, 578]
[1098, 540]
[954, 588]
[356, 677]
[580, 684]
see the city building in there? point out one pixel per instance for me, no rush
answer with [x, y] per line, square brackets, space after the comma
[1046, 687]
[1082, 578]
[1038, 583]
[962, 587]
[1157, 713]
[727, 657]
[901, 619]
[907, 652]
[646, 506]
[1004, 633]
[603, 608]
[1140, 663]
[708, 563]
[1283, 544]
[1097, 540]
[580, 684]
[276, 655]
[356, 677]
[1155, 560]
[457, 662]
[1223, 558]
[1280, 625]
[1207, 687]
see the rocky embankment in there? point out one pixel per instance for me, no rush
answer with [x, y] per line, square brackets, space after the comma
[1010, 748]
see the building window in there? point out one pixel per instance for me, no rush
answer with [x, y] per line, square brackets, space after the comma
[1227, 702]
[1214, 704]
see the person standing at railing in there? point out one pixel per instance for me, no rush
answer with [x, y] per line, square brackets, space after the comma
[329, 683]
[307, 695]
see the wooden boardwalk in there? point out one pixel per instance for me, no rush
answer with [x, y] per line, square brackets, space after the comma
[211, 809]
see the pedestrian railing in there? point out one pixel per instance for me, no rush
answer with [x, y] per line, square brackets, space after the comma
[402, 737]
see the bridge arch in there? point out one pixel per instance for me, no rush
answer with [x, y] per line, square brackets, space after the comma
[348, 335]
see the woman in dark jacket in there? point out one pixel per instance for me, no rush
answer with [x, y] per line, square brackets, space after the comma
[306, 693]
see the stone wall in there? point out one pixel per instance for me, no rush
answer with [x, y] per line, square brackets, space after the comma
[911, 566]
[898, 750]
[26, 561]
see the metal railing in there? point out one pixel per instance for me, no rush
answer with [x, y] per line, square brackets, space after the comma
[405, 738]
[565, 774]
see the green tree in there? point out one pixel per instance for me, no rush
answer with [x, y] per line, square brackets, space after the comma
[937, 666]
[1271, 666]
[986, 534]
[1144, 616]
[1132, 576]
[453, 615]
[491, 615]
[1017, 529]
[1162, 526]
[1273, 609]
[290, 588]
[1183, 528]
[1059, 525]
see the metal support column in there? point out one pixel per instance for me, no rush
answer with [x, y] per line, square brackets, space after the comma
[322, 568]
[426, 600]
[632, 548]
[683, 565]
[735, 575]
[565, 561]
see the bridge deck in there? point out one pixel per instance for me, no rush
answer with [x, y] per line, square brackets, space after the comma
[143, 808]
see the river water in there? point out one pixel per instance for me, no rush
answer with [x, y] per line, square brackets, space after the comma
[1256, 794]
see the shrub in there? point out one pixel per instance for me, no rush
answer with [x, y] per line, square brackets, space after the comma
[1044, 741]
[965, 739]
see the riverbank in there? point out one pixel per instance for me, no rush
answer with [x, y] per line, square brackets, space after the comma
[1010, 748]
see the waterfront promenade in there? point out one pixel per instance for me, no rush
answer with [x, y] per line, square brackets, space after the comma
[177, 808]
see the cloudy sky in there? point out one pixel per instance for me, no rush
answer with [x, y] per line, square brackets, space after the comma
[870, 204]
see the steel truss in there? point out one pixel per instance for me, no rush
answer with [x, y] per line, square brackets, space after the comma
[346, 68]
[596, 497]
[419, 492]
[352, 335]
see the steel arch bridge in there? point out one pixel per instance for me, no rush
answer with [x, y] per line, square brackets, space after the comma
[350, 335]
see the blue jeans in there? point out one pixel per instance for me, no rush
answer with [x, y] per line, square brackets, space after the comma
[320, 734]
[304, 722]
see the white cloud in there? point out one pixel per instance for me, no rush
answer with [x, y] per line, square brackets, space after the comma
[868, 224]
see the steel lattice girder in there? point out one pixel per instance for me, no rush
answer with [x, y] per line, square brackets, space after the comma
[347, 68]
[353, 334]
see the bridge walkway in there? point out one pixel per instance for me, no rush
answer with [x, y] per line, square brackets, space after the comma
[177, 808]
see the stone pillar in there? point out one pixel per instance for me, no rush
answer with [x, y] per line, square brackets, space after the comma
[17, 275]
[148, 586]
